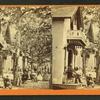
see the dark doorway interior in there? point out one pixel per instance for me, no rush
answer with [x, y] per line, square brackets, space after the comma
[70, 56]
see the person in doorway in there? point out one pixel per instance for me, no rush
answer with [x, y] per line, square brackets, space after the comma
[77, 75]
[70, 72]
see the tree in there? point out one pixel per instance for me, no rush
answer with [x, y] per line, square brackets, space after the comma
[93, 14]
[85, 56]
[33, 31]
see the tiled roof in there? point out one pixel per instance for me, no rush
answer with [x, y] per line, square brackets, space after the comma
[63, 11]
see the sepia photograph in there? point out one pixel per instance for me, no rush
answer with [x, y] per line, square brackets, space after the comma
[25, 47]
[50, 47]
[75, 47]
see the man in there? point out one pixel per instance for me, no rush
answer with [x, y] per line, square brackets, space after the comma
[24, 77]
[19, 77]
[77, 75]
[34, 76]
[69, 72]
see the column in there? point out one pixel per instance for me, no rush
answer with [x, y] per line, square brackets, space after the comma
[95, 61]
[91, 62]
[1, 65]
[78, 62]
[73, 61]
[59, 36]
[66, 58]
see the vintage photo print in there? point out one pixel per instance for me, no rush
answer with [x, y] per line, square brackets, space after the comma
[50, 47]
[75, 47]
[25, 47]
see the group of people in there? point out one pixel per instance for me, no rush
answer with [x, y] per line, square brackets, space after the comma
[21, 76]
[75, 76]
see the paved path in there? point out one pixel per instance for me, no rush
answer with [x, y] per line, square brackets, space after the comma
[45, 85]
[36, 85]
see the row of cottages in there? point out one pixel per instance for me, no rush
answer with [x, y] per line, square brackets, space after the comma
[9, 58]
[70, 42]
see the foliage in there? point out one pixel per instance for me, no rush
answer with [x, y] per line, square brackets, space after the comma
[92, 14]
[33, 31]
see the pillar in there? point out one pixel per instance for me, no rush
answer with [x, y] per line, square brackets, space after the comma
[59, 36]
[66, 58]
[78, 60]
[98, 74]
[73, 60]
[91, 62]
[1, 65]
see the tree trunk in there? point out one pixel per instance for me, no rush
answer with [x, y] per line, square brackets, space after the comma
[84, 64]
[15, 60]
[1, 65]
[98, 70]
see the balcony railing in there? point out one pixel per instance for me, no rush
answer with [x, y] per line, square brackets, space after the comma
[77, 35]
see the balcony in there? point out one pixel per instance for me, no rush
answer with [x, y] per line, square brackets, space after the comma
[77, 37]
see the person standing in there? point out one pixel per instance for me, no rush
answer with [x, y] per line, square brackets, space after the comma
[29, 73]
[77, 75]
[19, 77]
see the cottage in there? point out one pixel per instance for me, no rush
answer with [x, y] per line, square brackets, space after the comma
[69, 41]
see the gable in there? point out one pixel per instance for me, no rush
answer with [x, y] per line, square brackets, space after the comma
[89, 32]
[64, 11]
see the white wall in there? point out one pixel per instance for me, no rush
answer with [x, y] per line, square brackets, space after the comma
[59, 32]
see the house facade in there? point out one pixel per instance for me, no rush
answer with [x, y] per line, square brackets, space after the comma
[69, 42]
[10, 59]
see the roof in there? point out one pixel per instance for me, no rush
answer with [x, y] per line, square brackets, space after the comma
[89, 31]
[2, 41]
[64, 11]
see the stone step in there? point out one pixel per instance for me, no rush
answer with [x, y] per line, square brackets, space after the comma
[65, 86]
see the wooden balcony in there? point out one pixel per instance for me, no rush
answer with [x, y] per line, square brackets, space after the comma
[76, 37]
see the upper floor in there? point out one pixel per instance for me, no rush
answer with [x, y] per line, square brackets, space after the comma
[76, 30]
